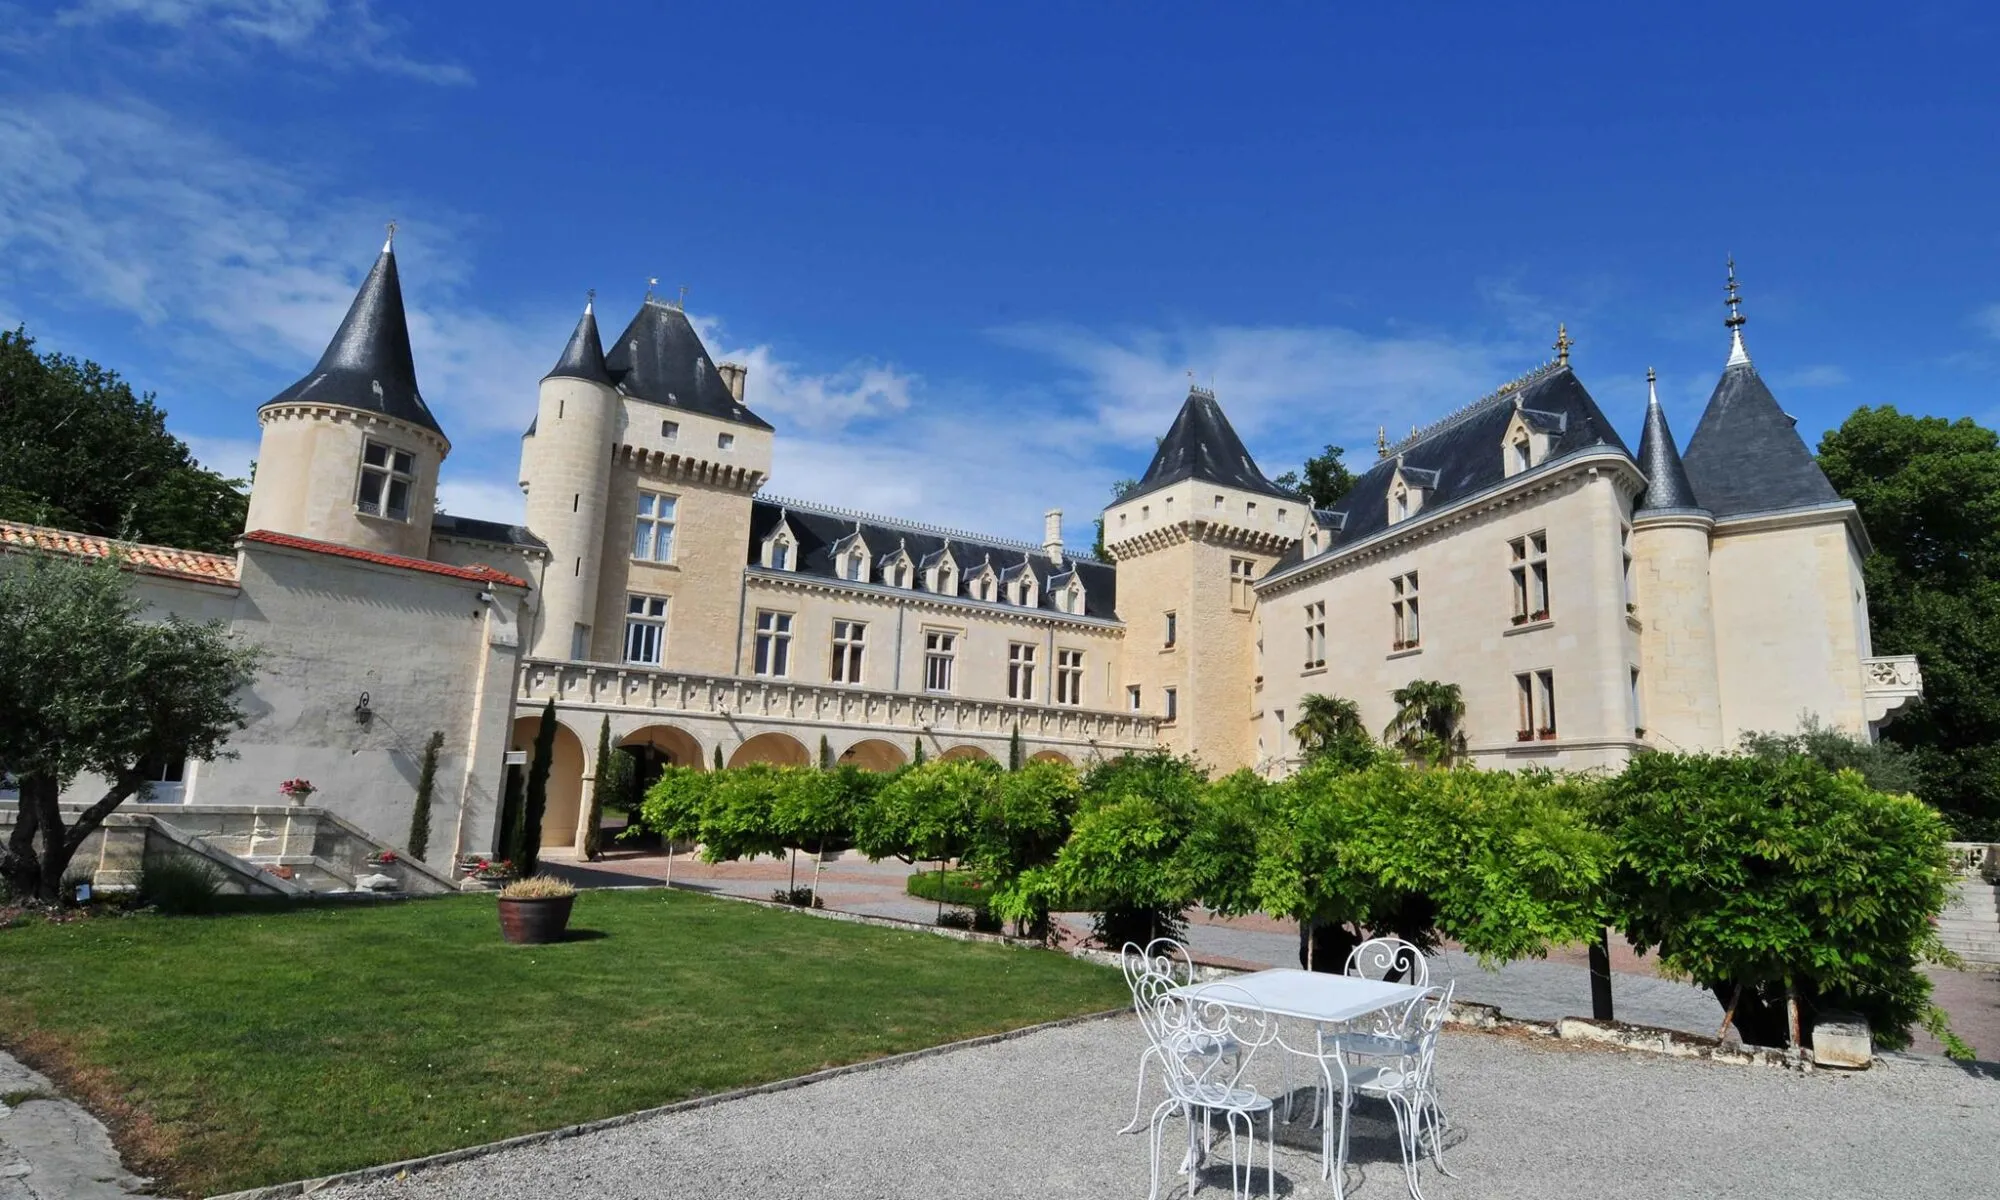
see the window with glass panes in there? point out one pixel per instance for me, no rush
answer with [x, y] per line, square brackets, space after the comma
[387, 476]
[848, 643]
[1535, 704]
[1069, 677]
[1240, 572]
[645, 629]
[1021, 671]
[1403, 603]
[774, 643]
[940, 658]
[653, 531]
[1315, 635]
[1530, 571]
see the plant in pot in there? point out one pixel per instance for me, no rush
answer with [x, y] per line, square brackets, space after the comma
[535, 910]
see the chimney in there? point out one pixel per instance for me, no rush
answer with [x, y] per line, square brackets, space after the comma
[1052, 535]
[732, 374]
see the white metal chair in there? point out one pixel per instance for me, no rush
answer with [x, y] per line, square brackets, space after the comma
[1163, 965]
[1201, 1082]
[1406, 1080]
[1389, 958]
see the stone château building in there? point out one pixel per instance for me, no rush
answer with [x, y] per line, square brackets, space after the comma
[1589, 602]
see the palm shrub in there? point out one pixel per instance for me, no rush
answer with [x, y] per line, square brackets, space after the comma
[1426, 725]
[1329, 730]
[1784, 888]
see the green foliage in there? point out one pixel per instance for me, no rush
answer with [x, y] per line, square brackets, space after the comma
[1767, 874]
[917, 756]
[1330, 732]
[825, 753]
[1119, 490]
[79, 451]
[952, 887]
[1123, 854]
[1884, 766]
[718, 758]
[1324, 479]
[180, 885]
[1014, 750]
[526, 852]
[674, 805]
[815, 810]
[928, 811]
[1929, 490]
[603, 784]
[420, 815]
[88, 685]
[739, 817]
[1426, 725]
[1020, 826]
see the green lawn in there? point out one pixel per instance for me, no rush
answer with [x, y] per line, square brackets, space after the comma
[233, 1051]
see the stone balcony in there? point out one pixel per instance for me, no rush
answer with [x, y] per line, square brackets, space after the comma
[639, 696]
[1889, 683]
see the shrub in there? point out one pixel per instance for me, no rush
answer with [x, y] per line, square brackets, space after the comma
[420, 816]
[1885, 766]
[537, 887]
[180, 884]
[673, 806]
[1122, 854]
[955, 918]
[1774, 880]
[952, 887]
[798, 897]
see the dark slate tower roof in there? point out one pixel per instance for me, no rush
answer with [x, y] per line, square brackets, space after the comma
[583, 358]
[1667, 485]
[1201, 444]
[660, 359]
[368, 364]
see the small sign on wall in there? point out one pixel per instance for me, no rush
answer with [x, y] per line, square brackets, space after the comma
[517, 758]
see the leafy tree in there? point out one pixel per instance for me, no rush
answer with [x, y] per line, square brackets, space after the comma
[526, 852]
[1119, 490]
[1780, 885]
[1123, 857]
[917, 756]
[1014, 750]
[1329, 730]
[1324, 478]
[1426, 725]
[1021, 825]
[1884, 766]
[928, 812]
[718, 758]
[825, 753]
[1929, 491]
[815, 811]
[420, 816]
[673, 807]
[739, 819]
[604, 782]
[87, 686]
[79, 451]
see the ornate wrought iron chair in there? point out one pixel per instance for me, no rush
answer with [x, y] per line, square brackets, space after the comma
[1202, 1083]
[1406, 1079]
[1163, 965]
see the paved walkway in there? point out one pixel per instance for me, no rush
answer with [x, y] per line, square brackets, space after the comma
[50, 1149]
[1034, 1117]
[1535, 990]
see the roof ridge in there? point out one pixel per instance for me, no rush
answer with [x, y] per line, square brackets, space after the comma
[903, 523]
[113, 541]
[1458, 416]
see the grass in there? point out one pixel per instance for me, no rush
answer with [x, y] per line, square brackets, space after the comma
[239, 1050]
[958, 887]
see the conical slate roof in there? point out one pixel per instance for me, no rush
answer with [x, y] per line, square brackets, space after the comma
[1745, 456]
[583, 358]
[660, 359]
[1201, 444]
[1667, 485]
[368, 365]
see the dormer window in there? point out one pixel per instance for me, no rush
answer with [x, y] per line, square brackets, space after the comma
[898, 571]
[781, 549]
[1530, 439]
[1520, 453]
[1022, 591]
[941, 576]
[985, 587]
[1400, 503]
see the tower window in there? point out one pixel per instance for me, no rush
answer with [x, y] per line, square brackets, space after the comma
[1530, 572]
[1173, 703]
[387, 475]
[653, 530]
[1315, 635]
[645, 629]
[1240, 572]
[1132, 697]
[670, 430]
[724, 441]
[1069, 677]
[1403, 604]
[1173, 630]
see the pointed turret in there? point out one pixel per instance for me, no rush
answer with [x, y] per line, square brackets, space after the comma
[1745, 455]
[1667, 486]
[368, 365]
[1201, 444]
[660, 359]
[583, 358]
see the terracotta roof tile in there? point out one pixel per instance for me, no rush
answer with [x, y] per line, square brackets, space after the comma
[478, 574]
[153, 560]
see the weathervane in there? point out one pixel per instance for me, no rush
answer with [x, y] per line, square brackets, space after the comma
[390, 243]
[684, 297]
[1735, 318]
[1563, 344]
[1381, 441]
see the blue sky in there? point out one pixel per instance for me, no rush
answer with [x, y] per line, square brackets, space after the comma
[971, 253]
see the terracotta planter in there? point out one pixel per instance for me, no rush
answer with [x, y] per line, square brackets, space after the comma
[534, 922]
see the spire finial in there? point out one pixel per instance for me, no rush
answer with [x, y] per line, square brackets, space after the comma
[590, 301]
[651, 283]
[1381, 441]
[389, 243]
[1738, 356]
[1652, 388]
[1563, 344]
[684, 298]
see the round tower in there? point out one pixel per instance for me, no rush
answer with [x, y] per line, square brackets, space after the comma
[1679, 691]
[350, 453]
[566, 471]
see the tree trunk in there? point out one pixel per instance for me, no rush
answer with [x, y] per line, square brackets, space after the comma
[41, 818]
[23, 867]
[1600, 976]
[1729, 1013]
[818, 856]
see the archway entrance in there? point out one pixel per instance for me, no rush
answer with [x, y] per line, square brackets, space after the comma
[652, 750]
[873, 754]
[565, 795]
[965, 754]
[777, 749]
[1054, 756]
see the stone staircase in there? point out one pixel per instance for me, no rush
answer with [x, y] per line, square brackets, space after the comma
[1970, 923]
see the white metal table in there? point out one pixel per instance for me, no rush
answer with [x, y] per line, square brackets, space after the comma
[1323, 1000]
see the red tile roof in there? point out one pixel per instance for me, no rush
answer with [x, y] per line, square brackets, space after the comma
[152, 560]
[478, 574]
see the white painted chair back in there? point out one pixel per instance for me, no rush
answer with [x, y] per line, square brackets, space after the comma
[1389, 958]
[1194, 1026]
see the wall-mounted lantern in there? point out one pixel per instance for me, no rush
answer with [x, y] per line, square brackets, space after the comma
[362, 712]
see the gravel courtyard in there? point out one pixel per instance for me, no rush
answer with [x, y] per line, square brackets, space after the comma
[1035, 1116]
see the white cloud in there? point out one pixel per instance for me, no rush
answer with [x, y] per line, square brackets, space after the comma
[786, 394]
[329, 32]
[229, 457]
[1988, 320]
[1822, 375]
[486, 498]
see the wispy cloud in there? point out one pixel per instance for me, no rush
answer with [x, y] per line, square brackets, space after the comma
[786, 393]
[1987, 320]
[340, 33]
[1822, 375]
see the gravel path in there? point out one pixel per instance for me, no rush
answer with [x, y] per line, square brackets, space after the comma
[1034, 1117]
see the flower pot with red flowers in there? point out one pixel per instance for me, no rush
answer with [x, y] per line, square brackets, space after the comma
[297, 791]
[1525, 735]
[1520, 618]
[1543, 615]
[535, 911]
[1547, 735]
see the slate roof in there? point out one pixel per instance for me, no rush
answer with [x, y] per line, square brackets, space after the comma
[168, 561]
[476, 574]
[1463, 454]
[368, 365]
[1745, 456]
[1201, 444]
[820, 529]
[1667, 485]
[475, 530]
[583, 358]
[660, 359]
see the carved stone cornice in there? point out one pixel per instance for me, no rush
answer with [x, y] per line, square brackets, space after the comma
[661, 465]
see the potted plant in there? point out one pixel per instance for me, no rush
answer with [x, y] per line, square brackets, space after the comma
[1547, 735]
[1520, 618]
[1541, 615]
[1525, 735]
[535, 910]
[297, 791]
[382, 858]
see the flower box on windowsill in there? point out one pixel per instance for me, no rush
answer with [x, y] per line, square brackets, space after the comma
[1543, 615]
[1547, 735]
[1525, 735]
[1520, 618]
[1631, 609]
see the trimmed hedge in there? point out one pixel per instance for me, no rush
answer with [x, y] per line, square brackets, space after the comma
[956, 887]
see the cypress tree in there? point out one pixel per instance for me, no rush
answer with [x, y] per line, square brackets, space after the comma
[529, 835]
[593, 831]
[718, 758]
[918, 759]
[1014, 750]
[420, 818]
[825, 754]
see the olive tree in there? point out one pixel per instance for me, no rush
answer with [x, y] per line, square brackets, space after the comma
[89, 687]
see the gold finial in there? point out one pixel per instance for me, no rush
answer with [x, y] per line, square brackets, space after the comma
[1563, 344]
[1381, 441]
[684, 298]
[1735, 318]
